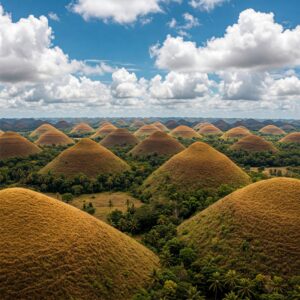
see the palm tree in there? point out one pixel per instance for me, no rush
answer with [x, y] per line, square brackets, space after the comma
[231, 296]
[245, 288]
[216, 284]
[231, 279]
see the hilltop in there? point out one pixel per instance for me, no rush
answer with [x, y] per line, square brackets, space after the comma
[86, 157]
[51, 250]
[253, 143]
[41, 130]
[199, 166]
[209, 130]
[160, 126]
[13, 144]
[185, 132]
[119, 137]
[146, 131]
[253, 230]
[104, 130]
[271, 130]
[158, 143]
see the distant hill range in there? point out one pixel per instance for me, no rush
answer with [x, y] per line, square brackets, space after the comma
[29, 124]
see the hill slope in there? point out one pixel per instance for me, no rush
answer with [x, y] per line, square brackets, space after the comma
[103, 131]
[119, 137]
[86, 157]
[82, 128]
[146, 131]
[293, 137]
[159, 143]
[209, 130]
[51, 250]
[271, 130]
[199, 166]
[253, 143]
[160, 126]
[13, 144]
[41, 130]
[236, 133]
[254, 230]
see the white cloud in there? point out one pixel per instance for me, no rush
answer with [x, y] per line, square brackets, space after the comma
[53, 16]
[119, 11]
[206, 5]
[256, 42]
[189, 22]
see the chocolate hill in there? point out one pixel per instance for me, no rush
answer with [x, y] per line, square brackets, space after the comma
[146, 131]
[253, 230]
[236, 133]
[271, 130]
[209, 130]
[54, 137]
[185, 132]
[293, 137]
[253, 143]
[82, 128]
[158, 143]
[86, 157]
[103, 131]
[199, 166]
[13, 144]
[51, 250]
[119, 138]
[41, 130]
[160, 126]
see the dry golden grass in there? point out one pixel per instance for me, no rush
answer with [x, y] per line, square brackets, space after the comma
[14, 145]
[255, 229]
[271, 130]
[120, 137]
[54, 137]
[210, 130]
[293, 137]
[82, 128]
[86, 157]
[41, 130]
[146, 131]
[1, 132]
[200, 125]
[160, 126]
[51, 250]
[185, 132]
[158, 143]
[253, 143]
[104, 131]
[101, 203]
[236, 133]
[199, 166]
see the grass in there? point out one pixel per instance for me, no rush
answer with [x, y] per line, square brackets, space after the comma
[293, 137]
[51, 250]
[14, 145]
[185, 132]
[159, 143]
[271, 130]
[103, 131]
[54, 137]
[145, 131]
[254, 230]
[160, 126]
[253, 143]
[101, 202]
[199, 166]
[119, 138]
[86, 157]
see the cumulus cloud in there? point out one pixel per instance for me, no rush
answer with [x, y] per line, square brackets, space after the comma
[189, 22]
[206, 5]
[119, 11]
[256, 42]
[53, 16]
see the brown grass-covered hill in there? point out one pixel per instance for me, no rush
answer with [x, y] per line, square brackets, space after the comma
[253, 143]
[120, 137]
[104, 123]
[201, 125]
[51, 250]
[160, 126]
[171, 124]
[255, 229]
[86, 157]
[13, 144]
[293, 137]
[185, 132]
[271, 130]
[104, 131]
[41, 130]
[54, 137]
[158, 143]
[82, 128]
[146, 131]
[288, 127]
[236, 133]
[210, 130]
[137, 124]
[199, 166]
[62, 124]
[1, 132]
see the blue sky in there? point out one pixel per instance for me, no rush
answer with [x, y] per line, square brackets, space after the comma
[124, 47]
